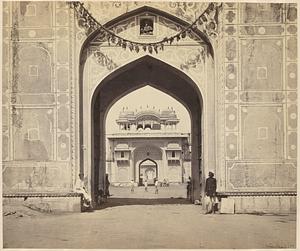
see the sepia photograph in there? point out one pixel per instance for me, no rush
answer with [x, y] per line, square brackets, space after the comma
[149, 125]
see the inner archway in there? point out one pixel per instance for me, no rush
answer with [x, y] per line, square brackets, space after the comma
[148, 170]
[153, 72]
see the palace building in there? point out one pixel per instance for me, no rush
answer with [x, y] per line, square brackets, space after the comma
[232, 65]
[147, 147]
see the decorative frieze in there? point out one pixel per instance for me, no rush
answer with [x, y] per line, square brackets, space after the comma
[261, 97]
[261, 30]
[261, 12]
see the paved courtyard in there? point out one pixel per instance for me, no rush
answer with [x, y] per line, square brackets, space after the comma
[146, 220]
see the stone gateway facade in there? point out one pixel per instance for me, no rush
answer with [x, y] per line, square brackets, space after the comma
[148, 147]
[232, 65]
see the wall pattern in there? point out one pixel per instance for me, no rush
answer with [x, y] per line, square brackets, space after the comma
[37, 103]
[260, 85]
[256, 88]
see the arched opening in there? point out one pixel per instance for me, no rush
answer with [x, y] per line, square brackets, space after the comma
[148, 171]
[153, 72]
[165, 141]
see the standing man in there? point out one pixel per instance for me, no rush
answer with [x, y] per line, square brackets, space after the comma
[189, 188]
[107, 183]
[156, 186]
[210, 191]
[146, 185]
[132, 186]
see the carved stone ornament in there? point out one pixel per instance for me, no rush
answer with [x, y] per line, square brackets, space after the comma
[207, 22]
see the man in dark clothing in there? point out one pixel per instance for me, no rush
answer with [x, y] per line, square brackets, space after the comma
[189, 188]
[107, 183]
[210, 191]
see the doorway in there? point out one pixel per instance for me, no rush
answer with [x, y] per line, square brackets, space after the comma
[157, 74]
[148, 170]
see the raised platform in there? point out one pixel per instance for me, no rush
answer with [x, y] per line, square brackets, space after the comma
[260, 202]
[45, 202]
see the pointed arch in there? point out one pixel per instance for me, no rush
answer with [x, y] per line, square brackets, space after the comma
[141, 72]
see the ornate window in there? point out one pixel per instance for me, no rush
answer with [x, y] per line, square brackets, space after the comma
[146, 25]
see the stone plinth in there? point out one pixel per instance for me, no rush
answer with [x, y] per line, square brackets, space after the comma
[47, 204]
[227, 206]
[265, 204]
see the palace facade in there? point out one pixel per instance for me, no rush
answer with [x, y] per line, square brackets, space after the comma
[147, 147]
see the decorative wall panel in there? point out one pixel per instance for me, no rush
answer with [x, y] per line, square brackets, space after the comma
[5, 15]
[231, 49]
[62, 17]
[5, 146]
[291, 48]
[231, 118]
[291, 77]
[231, 76]
[291, 13]
[262, 175]
[35, 14]
[261, 30]
[36, 99]
[292, 145]
[62, 52]
[262, 132]
[36, 177]
[63, 79]
[262, 12]
[231, 16]
[231, 97]
[63, 123]
[63, 147]
[231, 146]
[5, 120]
[34, 140]
[261, 64]
[36, 33]
[262, 97]
[292, 117]
[34, 70]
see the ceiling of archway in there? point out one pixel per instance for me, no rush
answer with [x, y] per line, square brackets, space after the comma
[106, 11]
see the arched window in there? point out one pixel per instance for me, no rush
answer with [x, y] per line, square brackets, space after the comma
[147, 126]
